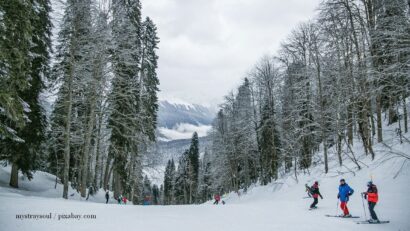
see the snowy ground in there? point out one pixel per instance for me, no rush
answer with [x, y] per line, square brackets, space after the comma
[278, 206]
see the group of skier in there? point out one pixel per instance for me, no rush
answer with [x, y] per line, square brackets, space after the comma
[120, 199]
[345, 191]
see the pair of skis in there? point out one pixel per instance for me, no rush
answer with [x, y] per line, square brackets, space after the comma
[372, 222]
[341, 216]
[359, 222]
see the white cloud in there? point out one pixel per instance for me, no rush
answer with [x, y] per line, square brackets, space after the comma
[184, 131]
[208, 45]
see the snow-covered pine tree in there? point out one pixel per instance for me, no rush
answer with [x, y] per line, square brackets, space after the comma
[181, 186]
[155, 195]
[126, 121]
[94, 93]
[71, 71]
[169, 181]
[205, 180]
[15, 62]
[148, 78]
[266, 85]
[147, 193]
[244, 136]
[193, 168]
[25, 156]
[222, 170]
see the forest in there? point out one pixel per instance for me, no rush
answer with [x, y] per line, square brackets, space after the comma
[102, 74]
[332, 79]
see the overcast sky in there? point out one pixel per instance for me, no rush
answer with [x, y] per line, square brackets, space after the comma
[207, 46]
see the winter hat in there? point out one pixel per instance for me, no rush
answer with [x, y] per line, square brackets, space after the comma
[370, 183]
[342, 180]
[316, 183]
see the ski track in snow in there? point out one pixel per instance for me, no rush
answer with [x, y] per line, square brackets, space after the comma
[278, 206]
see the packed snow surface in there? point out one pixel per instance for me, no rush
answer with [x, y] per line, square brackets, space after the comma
[278, 206]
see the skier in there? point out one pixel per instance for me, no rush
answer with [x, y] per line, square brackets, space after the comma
[217, 198]
[119, 199]
[124, 199]
[107, 196]
[314, 191]
[372, 198]
[344, 192]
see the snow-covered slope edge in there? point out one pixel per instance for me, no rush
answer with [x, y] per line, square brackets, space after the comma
[389, 171]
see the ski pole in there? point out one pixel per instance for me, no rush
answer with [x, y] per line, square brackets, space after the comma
[364, 209]
[337, 206]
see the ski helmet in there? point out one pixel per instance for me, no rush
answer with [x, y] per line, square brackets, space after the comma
[370, 183]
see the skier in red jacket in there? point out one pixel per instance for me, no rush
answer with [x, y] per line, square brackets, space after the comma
[372, 197]
[314, 190]
[217, 198]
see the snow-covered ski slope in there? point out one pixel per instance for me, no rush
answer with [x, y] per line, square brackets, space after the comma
[278, 206]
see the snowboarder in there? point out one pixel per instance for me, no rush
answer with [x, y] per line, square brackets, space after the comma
[314, 191]
[217, 198]
[107, 196]
[372, 198]
[344, 192]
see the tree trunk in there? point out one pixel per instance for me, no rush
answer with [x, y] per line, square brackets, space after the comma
[101, 179]
[68, 126]
[373, 126]
[107, 173]
[14, 176]
[379, 119]
[406, 127]
[350, 124]
[392, 111]
[97, 157]
[117, 184]
[339, 148]
[87, 149]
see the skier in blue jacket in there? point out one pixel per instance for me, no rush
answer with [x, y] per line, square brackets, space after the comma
[344, 192]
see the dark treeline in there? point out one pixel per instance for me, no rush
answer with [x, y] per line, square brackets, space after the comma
[103, 74]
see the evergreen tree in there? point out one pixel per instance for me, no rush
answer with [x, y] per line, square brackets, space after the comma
[193, 168]
[268, 146]
[25, 156]
[181, 188]
[147, 194]
[72, 71]
[148, 77]
[244, 137]
[125, 103]
[155, 195]
[205, 180]
[15, 63]
[169, 181]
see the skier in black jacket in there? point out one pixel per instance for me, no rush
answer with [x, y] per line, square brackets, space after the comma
[107, 196]
[314, 190]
